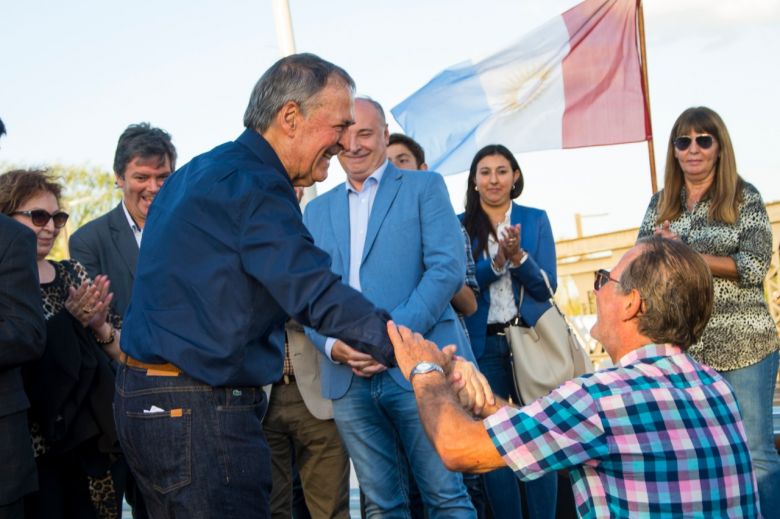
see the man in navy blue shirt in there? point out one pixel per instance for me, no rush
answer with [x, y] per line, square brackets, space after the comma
[224, 261]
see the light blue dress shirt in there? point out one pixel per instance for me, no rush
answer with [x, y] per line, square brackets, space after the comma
[360, 204]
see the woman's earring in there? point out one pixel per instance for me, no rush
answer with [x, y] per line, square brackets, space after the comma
[476, 188]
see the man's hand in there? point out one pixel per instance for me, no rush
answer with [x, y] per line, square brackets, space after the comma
[362, 364]
[471, 386]
[411, 349]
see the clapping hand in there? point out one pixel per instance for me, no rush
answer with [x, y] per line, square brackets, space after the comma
[509, 244]
[89, 303]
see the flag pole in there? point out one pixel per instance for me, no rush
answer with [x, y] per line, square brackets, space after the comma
[646, 92]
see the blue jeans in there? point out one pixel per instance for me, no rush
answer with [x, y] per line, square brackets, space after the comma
[204, 455]
[503, 494]
[381, 429]
[754, 387]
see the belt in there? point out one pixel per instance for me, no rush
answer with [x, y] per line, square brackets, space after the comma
[500, 328]
[152, 370]
[285, 380]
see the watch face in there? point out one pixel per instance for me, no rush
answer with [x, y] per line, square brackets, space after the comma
[425, 367]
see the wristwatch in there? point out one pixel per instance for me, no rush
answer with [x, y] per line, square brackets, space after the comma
[424, 367]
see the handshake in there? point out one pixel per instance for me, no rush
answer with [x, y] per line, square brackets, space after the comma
[463, 378]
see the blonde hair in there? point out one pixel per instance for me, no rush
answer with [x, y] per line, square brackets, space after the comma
[726, 189]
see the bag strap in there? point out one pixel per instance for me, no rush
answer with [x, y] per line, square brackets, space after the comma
[552, 299]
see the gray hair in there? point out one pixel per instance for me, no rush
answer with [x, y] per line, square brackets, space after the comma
[676, 288]
[298, 78]
[376, 105]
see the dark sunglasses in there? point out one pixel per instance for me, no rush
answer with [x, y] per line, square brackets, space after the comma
[602, 278]
[702, 141]
[40, 217]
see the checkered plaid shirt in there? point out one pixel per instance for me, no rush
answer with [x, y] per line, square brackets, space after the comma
[658, 435]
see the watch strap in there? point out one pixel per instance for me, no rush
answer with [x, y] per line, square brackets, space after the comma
[424, 367]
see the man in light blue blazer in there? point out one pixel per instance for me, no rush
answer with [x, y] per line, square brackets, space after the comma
[393, 235]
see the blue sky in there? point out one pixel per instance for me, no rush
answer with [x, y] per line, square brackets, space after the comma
[75, 74]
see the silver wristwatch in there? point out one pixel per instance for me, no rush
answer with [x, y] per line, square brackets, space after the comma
[424, 367]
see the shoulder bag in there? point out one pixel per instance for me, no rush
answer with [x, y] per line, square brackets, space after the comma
[545, 355]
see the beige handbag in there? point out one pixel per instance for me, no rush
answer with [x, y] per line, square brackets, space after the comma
[547, 354]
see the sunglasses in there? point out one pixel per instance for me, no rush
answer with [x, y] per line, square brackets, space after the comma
[602, 278]
[40, 217]
[702, 141]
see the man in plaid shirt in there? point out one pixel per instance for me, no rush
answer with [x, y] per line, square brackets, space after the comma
[658, 435]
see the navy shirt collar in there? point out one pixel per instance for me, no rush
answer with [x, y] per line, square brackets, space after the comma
[260, 147]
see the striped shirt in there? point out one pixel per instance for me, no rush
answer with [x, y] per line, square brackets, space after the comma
[658, 435]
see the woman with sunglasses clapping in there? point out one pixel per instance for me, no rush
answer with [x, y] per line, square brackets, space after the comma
[71, 387]
[707, 205]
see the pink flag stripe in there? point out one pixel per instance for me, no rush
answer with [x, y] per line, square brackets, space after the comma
[602, 77]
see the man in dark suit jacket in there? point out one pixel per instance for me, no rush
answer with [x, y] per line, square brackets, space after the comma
[144, 158]
[22, 339]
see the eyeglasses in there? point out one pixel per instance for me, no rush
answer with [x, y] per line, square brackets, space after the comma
[703, 141]
[602, 278]
[40, 217]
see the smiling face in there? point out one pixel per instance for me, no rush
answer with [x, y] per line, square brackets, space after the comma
[698, 164]
[367, 144]
[494, 179]
[142, 181]
[322, 133]
[45, 235]
[610, 303]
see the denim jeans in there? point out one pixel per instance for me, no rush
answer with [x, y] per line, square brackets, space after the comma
[202, 454]
[501, 486]
[754, 387]
[381, 428]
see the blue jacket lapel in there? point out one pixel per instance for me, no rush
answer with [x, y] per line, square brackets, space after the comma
[339, 219]
[386, 193]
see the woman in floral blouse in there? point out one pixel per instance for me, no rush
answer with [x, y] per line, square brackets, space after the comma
[707, 205]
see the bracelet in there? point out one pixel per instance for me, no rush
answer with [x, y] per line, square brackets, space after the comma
[108, 341]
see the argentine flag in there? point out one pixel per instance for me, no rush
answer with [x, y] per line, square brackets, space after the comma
[573, 81]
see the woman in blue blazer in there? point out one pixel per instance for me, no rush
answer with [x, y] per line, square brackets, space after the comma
[511, 245]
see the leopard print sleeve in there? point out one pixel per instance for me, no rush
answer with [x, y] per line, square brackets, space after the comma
[754, 251]
[651, 216]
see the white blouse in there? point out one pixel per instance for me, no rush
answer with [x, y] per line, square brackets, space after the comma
[502, 300]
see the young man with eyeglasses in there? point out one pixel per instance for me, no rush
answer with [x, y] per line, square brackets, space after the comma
[657, 435]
